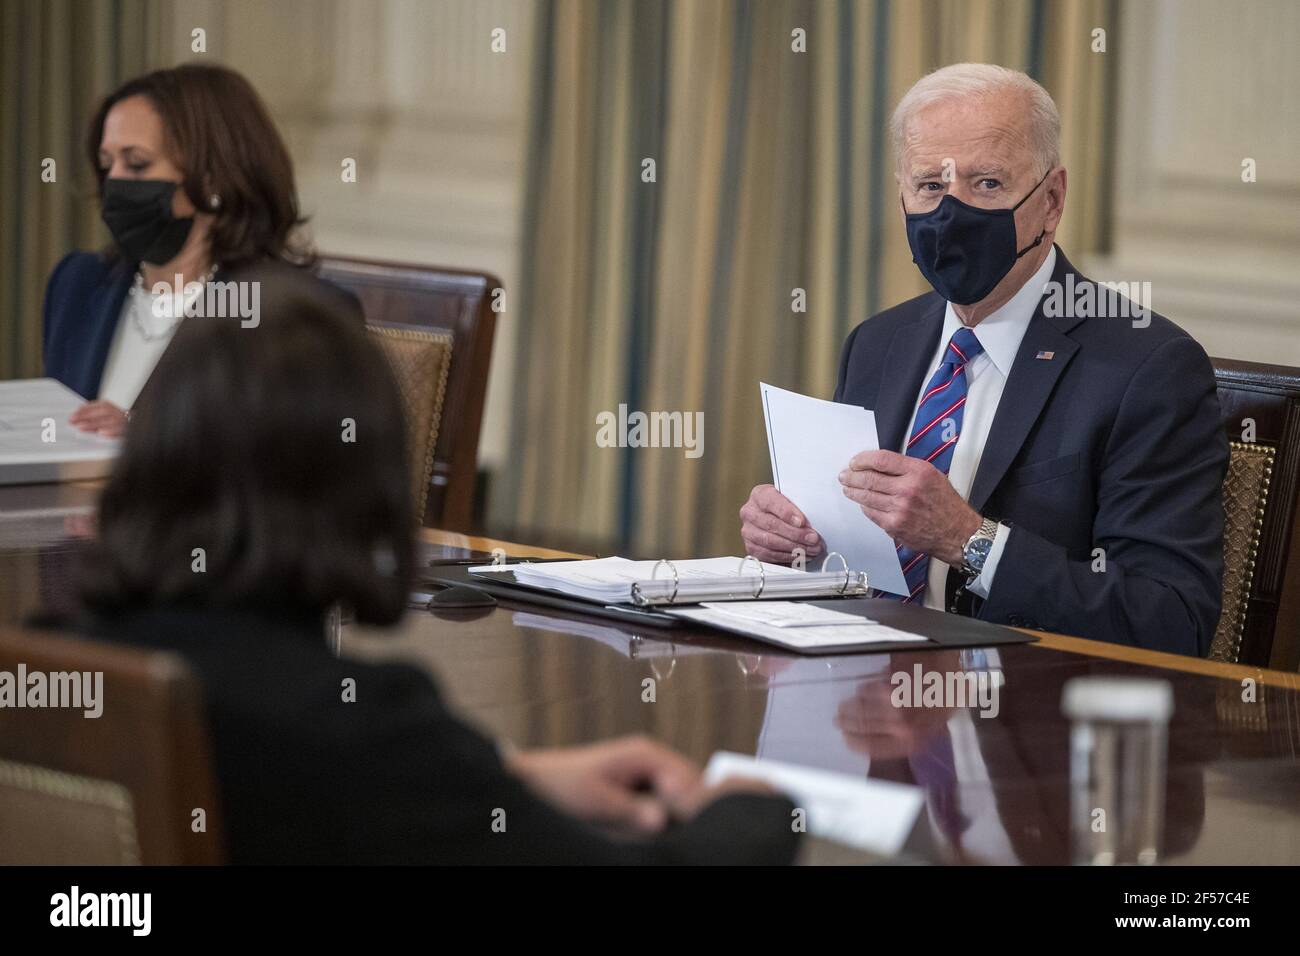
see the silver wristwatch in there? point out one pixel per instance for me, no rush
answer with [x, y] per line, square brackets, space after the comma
[977, 548]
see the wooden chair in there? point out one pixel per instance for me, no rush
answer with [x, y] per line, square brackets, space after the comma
[1260, 623]
[120, 788]
[436, 326]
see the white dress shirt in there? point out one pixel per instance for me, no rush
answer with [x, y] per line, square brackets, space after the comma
[986, 375]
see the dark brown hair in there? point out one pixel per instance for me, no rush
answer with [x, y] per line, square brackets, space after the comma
[239, 446]
[219, 133]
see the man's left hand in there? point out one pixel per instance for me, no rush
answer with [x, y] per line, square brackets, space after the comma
[912, 501]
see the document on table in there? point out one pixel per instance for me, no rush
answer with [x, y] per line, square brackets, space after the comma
[784, 613]
[811, 441]
[36, 442]
[749, 618]
[873, 815]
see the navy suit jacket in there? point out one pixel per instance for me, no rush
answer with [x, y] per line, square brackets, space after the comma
[1114, 442]
[83, 302]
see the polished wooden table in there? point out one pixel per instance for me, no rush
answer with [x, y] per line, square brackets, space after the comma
[540, 678]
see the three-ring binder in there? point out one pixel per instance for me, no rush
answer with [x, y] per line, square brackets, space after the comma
[675, 590]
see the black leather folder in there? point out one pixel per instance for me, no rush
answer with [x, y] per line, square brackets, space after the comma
[940, 630]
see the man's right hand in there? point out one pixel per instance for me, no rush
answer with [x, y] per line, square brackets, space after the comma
[772, 527]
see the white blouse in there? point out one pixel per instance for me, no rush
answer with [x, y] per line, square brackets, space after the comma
[133, 353]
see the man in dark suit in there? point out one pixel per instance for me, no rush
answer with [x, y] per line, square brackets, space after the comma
[1051, 454]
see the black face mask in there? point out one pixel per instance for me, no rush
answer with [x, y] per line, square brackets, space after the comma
[138, 212]
[963, 250]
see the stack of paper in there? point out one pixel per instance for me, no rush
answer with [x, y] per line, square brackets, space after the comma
[37, 444]
[811, 441]
[800, 627]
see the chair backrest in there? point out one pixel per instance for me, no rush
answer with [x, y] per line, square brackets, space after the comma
[119, 788]
[436, 326]
[1261, 581]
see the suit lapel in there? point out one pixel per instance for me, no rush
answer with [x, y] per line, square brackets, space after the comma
[109, 296]
[1028, 387]
[906, 362]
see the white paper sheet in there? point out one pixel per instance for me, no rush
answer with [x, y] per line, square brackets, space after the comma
[800, 638]
[873, 815]
[785, 613]
[30, 411]
[811, 441]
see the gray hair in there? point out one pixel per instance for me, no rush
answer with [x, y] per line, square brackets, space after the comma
[983, 79]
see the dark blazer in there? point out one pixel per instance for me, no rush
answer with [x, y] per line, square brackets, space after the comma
[393, 777]
[83, 302]
[1112, 442]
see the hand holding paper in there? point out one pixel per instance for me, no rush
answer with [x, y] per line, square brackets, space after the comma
[873, 815]
[773, 529]
[811, 441]
[913, 502]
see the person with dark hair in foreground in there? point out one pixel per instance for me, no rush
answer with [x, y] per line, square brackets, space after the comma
[263, 482]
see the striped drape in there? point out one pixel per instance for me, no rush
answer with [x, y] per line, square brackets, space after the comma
[57, 58]
[772, 189]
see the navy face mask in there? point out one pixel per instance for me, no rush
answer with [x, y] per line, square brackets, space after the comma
[965, 251]
[138, 212]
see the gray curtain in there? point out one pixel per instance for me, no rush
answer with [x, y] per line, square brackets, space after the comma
[57, 58]
[773, 174]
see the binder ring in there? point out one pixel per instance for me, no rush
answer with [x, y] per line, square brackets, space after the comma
[654, 576]
[762, 575]
[845, 564]
[659, 674]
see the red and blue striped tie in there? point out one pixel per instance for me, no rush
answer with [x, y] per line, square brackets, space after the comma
[934, 436]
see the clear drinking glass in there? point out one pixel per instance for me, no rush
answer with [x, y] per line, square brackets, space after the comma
[1118, 743]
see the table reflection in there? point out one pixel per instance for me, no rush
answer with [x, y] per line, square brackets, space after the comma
[996, 786]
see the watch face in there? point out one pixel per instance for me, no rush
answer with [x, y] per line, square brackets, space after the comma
[978, 551]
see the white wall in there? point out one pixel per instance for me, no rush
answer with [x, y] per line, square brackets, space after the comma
[1205, 85]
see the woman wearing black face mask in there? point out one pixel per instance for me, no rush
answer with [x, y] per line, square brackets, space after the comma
[194, 182]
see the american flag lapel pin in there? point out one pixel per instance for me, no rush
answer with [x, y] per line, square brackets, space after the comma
[1046, 356]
